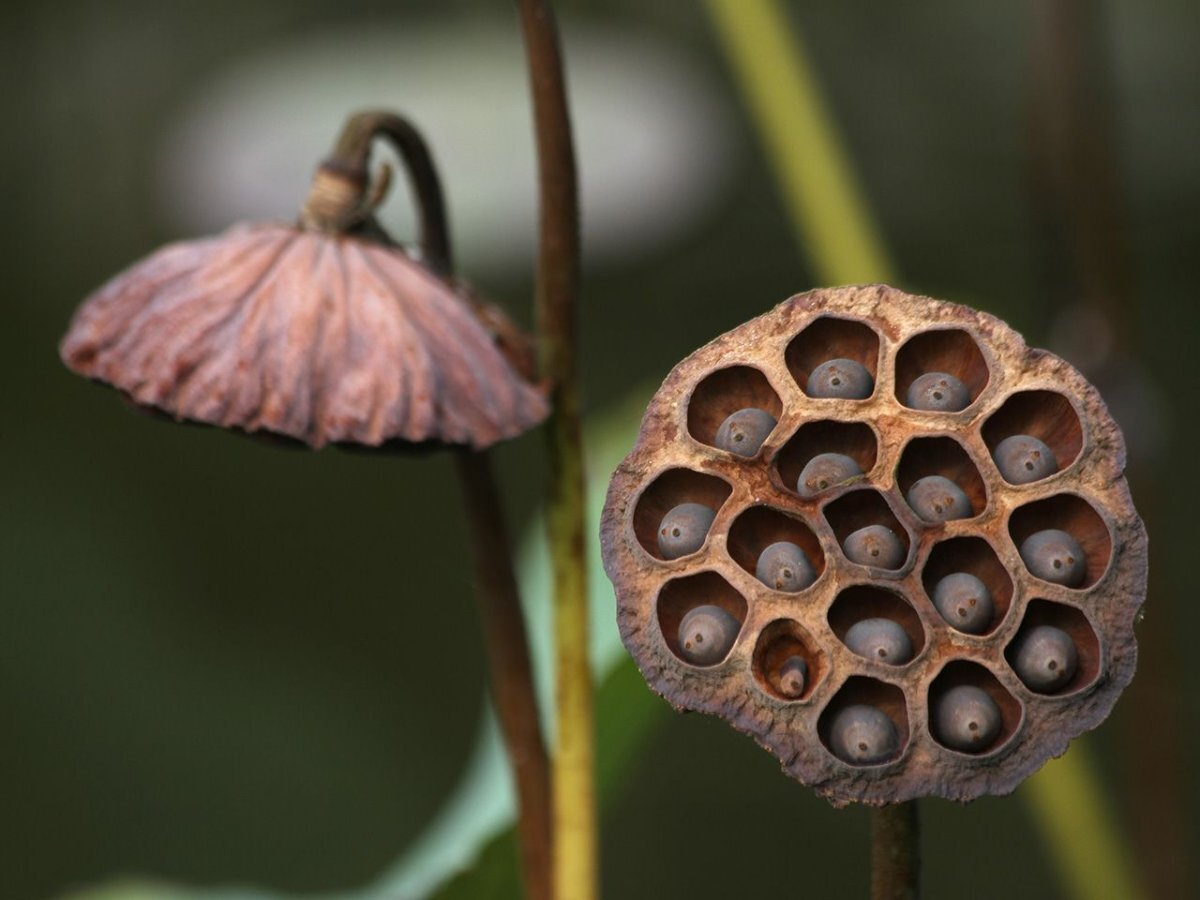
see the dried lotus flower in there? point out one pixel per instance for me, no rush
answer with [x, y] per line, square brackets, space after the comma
[326, 331]
[322, 331]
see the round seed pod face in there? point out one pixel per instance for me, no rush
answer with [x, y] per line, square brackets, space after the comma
[313, 336]
[1011, 390]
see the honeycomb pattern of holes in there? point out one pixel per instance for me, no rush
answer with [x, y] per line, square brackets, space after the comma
[943, 456]
[975, 556]
[967, 672]
[867, 601]
[777, 643]
[858, 508]
[853, 439]
[862, 689]
[668, 490]
[760, 526]
[1076, 625]
[724, 392]
[680, 595]
[828, 337]
[1078, 518]
[952, 351]
[1046, 415]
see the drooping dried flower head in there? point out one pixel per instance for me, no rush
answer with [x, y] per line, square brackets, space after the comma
[322, 332]
[958, 611]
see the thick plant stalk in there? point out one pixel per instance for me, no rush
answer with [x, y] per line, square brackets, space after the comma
[575, 853]
[507, 646]
[508, 664]
[895, 852]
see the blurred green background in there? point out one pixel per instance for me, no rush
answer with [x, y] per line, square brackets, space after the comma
[226, 663]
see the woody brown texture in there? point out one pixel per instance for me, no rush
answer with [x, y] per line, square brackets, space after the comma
[322, 337]
[1014, 390]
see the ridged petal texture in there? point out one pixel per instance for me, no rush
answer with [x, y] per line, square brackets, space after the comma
[322, 338]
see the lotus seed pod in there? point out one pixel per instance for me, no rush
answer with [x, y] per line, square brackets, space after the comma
[824, 471]
[936, 498]
[793, 676]
[1054, 556]
[875, 545]
[684, 529]
[964, 602]
[744, 431]
[863, 735]
[784, 567]
[966, 718]
[881, 640]
[1045, 658]
[706, 633]
[1022, 459]
[938, 392]
[840, 378]
[876, 557]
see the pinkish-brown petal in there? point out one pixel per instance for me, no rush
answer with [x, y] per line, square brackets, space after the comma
[321, 338]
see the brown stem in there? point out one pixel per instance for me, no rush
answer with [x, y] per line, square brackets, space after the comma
[895, 852]
[508, 663]
[338, 200]
[575, 842]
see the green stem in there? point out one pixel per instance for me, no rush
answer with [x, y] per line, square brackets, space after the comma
[575, 841]
[895, 852]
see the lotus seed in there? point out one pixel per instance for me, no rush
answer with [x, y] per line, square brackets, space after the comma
[936, 498]
[875, 545]
[744, 431]
[966, 718]
[938, 392]
[862, 735]
[784, 567]
[683, 529]
[964, 602]
[1022, 459]
[793, 675]
[881, 640]
[842, 378]
[824, 471]
[1055, 556]
[706, 633]
[1045, 658]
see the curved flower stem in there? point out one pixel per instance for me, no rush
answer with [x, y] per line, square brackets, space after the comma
[508, 663]
[895, 852]
[339, 201]
[575, 842]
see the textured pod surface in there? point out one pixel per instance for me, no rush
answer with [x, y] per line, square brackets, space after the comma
[1013, 389]
[317, 337]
